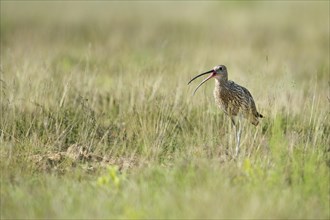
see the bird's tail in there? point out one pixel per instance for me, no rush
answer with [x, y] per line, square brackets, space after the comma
[255, 120]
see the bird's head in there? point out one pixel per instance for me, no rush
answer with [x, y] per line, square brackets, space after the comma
[218, 72]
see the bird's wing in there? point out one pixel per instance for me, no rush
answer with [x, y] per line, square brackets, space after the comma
[252, 104]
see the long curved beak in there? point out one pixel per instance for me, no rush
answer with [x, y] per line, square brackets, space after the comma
[209, 77]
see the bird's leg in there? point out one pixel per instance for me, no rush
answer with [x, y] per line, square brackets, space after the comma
[238, 130]
[233, 126]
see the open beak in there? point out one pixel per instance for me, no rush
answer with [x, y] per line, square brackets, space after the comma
[209, 77]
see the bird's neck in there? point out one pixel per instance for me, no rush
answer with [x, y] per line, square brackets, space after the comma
[221, 82]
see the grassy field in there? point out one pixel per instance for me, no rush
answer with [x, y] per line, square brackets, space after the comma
[97, 120]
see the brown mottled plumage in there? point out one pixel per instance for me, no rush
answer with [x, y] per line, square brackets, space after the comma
[233, 99]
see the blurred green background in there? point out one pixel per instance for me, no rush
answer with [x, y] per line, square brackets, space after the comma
[97, 120]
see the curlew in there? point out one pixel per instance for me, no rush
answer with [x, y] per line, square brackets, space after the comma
[235, 100]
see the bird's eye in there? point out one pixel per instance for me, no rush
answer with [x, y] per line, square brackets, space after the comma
[220, 68]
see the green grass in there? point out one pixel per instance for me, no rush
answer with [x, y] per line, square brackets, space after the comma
[97, 120]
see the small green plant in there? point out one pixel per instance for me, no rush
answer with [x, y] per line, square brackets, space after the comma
[112, 178]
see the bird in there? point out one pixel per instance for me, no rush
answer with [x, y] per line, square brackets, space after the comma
[234, 100]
